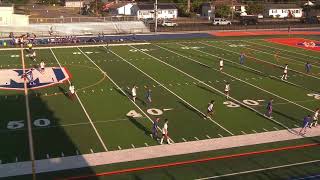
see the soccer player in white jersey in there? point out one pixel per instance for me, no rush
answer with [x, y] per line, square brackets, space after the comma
[221, 64]
[210, 109]
[72, 91]
[227, 89]
[134, 93]
[165, 132]
[315, 118]
[285, 73]
[42, 67]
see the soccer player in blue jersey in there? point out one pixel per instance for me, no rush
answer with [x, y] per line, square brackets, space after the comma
[308, 67]
[242, 58]
[269, 108]
[155, 128]
[305, 125]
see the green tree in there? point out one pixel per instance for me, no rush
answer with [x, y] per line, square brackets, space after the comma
[223, 11]
[254, 9]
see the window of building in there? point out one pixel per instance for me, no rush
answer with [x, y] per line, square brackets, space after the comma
[171, 12]
[274, 11]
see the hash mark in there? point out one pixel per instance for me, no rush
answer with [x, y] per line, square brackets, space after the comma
[265, 129]
[196, 138]
[146, 144]
[62, 154]
[184, 139]
[91, 151]
[243, 132]
[276, 128]
[48, 157]
[220, 135]
[119, 148]
[133, 146]
[208, 136]
[254, 131]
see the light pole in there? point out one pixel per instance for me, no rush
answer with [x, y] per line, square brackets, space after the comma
[156, 16]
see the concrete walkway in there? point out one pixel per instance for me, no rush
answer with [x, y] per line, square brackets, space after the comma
[103, 158]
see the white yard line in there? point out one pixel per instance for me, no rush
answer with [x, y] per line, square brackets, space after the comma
[238, 80]
[262, 88]
[151, 152]
[299, 72]
[29, 123]
[298, 62]
[179, 97]
[84, 109]
[119, 88]
[259, 170]
[282, 49]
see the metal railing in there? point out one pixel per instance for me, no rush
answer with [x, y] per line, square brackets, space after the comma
[82, 19]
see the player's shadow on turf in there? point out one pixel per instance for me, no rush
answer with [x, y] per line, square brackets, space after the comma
[209, 90]
[140, 126]
[287, 116]
[64, 92]
[191, 109]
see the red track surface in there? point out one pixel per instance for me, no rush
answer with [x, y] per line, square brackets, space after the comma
[261, 33]
[295, 42]
[194, 161]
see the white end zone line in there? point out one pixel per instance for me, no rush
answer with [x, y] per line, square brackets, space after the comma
[30, 136]
[281, 49]
[179, 96]
[239, 102]
[259, 87]
[299, 72]
[119, 88]
[84, 109]
[259, 170]
[170, 91]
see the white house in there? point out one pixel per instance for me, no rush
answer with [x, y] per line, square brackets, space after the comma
[284, 11]
[75, 3]
[208, 9]
[119, 8]
[145, 11]
[8, 17]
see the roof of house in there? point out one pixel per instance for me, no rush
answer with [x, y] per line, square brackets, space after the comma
[282, 6]
[160, 6]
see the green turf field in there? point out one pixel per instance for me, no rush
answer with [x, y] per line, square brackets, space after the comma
[183, 76]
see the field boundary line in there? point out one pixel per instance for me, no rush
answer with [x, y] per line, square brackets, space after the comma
[259, 170]
[262, 73]
[281, 49]
[163, 86]
[119, 88]
[29, 124]
[151, 152]
[76, 46]
[239, 102]
[296, 71]
[298, 62]
[253, 84]
[84, 109]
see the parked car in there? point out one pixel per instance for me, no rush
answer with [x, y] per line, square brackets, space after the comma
[168, 24]
[220, 21]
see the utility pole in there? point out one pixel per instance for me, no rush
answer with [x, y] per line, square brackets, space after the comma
[156, 16]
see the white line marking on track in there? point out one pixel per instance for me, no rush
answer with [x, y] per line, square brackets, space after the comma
[176, 94]
[83, 108]
[259, 170]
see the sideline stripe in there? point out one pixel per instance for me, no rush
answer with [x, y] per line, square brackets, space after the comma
[171, 91]
[105, 73]
[286, 148]
[30, 136]
[84, 109]
[189, 77]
